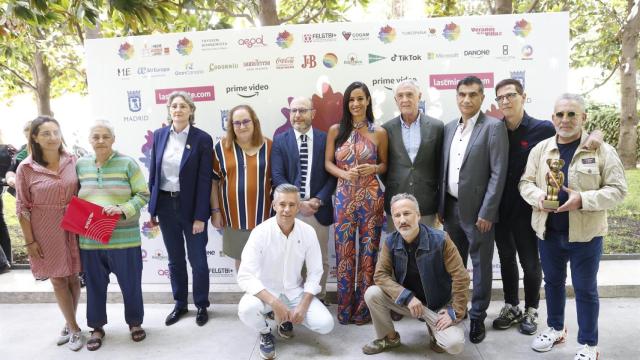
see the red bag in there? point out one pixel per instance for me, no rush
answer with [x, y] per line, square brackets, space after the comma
[89, 220]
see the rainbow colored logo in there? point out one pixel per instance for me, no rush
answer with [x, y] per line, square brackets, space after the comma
[185, 46]
[522, 28]
[284, 40]
[330, 60]
[149, 230]
[126, 51]
[451, 31]
[387, 34]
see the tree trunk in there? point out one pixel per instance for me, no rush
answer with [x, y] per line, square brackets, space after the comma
[628, 141]
[40, 73]
[504, 6]
[397, 9]
[268, 13]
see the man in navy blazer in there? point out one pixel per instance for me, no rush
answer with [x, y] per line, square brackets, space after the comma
[180, 178]
[288, 165]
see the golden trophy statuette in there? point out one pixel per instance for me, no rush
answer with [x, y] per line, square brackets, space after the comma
[555, 179]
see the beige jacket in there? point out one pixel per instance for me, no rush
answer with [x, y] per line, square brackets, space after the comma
[597, 174]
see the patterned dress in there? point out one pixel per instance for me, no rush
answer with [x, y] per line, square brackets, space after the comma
[358, 209]
[42, 198]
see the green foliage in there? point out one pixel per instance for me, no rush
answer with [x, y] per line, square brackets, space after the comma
[607, 119]
[624, 220]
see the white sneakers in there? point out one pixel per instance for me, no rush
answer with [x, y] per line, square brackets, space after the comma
[587, 352]
[76, 341]
[65, 334]
[548, 338]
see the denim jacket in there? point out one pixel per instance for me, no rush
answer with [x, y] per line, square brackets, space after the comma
[444, 279]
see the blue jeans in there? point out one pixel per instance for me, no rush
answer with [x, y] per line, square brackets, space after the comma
[126, 264]
[555, 252]
[176, 232]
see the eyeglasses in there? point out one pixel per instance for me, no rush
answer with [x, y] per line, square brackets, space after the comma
[569, 114]
[508, 96]
[300, 111]
[241, 123]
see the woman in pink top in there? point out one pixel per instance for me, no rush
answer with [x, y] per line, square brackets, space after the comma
[45, 182]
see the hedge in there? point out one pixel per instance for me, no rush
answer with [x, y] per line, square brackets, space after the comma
[607, 119]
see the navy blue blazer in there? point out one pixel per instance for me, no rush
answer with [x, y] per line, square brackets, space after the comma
[285, 168]
[195, 173]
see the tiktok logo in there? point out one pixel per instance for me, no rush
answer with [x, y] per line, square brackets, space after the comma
[309, 62]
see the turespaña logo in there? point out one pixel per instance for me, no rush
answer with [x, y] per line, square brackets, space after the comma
[126, 51]
[135, 101]
[352, 59]
[518, 75]
[251, 42]
[224, 116]
[527, 52]
[309, 62]
[375, 58]
[451, 31]
[486, 31]
[285, 62]
[330, 60]
[184, 47]
[387, 34]
[197, 93]
[284, 40]
[522, 28]
[450, 81]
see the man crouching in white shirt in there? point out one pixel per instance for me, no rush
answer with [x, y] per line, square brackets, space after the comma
[270, 274]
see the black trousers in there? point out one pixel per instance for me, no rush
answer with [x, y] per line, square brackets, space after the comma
[515, 236]
[5, 240]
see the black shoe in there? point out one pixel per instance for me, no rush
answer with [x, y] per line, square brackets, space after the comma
[175, 315]
[509, 315]
[5, 268]
[477, 332]
[202, 316]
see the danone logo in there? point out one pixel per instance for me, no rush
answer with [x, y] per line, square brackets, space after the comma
[522, 28]
[284, 40]
[451, 31]
[330, 60]
[185, 46]
[387, 34]
[126, 51]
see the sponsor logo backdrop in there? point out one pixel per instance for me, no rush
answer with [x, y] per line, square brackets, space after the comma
[129, 79]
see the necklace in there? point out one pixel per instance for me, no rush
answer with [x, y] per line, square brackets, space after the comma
[359, 124]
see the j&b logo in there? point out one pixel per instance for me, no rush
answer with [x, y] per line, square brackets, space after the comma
[309, 62]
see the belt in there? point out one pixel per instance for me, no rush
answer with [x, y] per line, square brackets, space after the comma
[172, 194]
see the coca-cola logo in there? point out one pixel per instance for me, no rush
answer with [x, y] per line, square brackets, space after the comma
[251, 42]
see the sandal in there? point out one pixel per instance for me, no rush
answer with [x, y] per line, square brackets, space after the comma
[138, 335]
[94, 343]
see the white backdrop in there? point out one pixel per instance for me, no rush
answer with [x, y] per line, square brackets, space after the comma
[130, 77]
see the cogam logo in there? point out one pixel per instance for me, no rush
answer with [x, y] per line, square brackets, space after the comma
[451, 31]
[126, 51]
[387, 34]
[330, 60]
[522, 28]
[284, 40]
[185, 46]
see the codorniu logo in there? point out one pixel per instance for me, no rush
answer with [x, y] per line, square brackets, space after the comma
[285, 62]
[319, 37]
[189, 69]
[134, 100]
[256, 64]
[220, 67]
[309, 62]
[247, 91]
[477, 53]
[251, 42]
[375, 58]
[152, 71]
[402, 58]
[355, 36]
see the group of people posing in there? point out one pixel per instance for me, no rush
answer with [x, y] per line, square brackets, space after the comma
[484, 179]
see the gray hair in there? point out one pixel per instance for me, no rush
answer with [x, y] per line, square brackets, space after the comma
[408, 82]
[187, 98]
[573, 97]
[286, 189]
[100, 123]
[405, 196]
